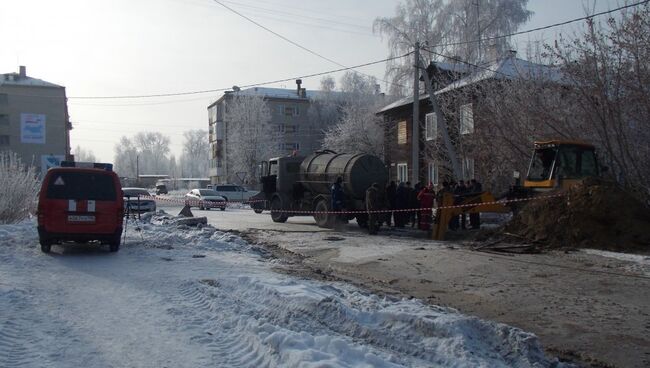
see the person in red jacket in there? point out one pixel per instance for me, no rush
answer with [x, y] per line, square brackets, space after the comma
[426, 198]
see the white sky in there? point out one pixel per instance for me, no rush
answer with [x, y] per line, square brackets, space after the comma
[127, 47]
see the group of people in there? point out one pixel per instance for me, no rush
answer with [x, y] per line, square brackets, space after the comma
[409, 205]
[412, 205]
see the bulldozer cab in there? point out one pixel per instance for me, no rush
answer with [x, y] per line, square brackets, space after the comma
[558, 164]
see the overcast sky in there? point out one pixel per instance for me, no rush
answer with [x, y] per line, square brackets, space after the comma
[135, 47]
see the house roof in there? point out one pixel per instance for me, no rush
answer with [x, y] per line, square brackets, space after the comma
[402, 102]
[285, 93]
[15, 79]
[506, 68]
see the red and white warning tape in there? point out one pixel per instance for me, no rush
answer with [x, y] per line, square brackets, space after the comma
[193, 202]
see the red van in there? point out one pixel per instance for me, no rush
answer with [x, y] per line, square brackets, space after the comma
[80, 202]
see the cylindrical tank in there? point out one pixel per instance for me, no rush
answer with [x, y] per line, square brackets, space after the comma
[319, 171]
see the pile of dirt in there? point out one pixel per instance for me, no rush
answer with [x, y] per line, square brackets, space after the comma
[594, 214]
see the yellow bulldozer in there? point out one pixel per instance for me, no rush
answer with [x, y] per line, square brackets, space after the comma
[554, 165]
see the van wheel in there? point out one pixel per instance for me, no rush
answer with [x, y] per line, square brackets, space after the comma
[223, 208]
[46, 244]
[258, 210]
[114, 243]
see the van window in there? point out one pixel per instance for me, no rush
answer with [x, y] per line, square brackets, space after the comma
[81, 185]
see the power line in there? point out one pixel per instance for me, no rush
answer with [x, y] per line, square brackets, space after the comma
[243, 86]
[293, 42]
[544, 27]
[279, 35]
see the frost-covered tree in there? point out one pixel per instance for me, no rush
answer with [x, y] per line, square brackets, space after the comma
[18, 188]
[146, 150]
[250, 134]
[448, 27]
[195, 159]
[358, 129]
[84, 155]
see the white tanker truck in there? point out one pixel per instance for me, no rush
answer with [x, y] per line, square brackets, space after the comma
[297, 184]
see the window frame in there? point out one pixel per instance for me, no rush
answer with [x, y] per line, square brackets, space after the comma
[431, 126]
[466, 119]
[402, 172]
[432, 173]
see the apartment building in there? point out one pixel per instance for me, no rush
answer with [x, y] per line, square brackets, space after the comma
[34, 119]
[289, 108]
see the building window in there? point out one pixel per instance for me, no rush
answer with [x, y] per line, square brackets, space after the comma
[4, 99]
[4, 119]
[468, 168]
[402, 172]
[431, 124]
[466, 119]
[289, 146]
[432, 173]
[4, 140]
[401, 132]
[290, 110]
[212, 114]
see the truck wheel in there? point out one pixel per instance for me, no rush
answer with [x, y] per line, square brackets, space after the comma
[323, 218]
[276, 204]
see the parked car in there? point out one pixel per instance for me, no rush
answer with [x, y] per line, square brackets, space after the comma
[80, 202]
[205, 199]
[138, 200]
[161, 189]
[234, 193]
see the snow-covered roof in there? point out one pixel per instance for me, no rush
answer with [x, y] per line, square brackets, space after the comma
[458, 67]
[15, 79]
[402, 102]
[507, 68]
[286, 93]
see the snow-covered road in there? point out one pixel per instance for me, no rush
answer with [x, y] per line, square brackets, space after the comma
[180, 297]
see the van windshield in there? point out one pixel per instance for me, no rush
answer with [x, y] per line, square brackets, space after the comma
[81, 185]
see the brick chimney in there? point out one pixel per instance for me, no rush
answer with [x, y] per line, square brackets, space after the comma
[22, 71]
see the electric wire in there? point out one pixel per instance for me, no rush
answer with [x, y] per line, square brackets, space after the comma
[587, 17]
[295, 43]
[343, 68]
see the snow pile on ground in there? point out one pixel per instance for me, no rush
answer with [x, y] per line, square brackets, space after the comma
[182, 297]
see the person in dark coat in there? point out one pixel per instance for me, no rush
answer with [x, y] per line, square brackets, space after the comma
[401, 203]
[460, 190]
[475, 218]
[338, 197]
[391, 194]
[373, 203]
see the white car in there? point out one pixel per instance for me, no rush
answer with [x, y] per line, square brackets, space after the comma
[138, 200]
[234, 193]
[205, 199]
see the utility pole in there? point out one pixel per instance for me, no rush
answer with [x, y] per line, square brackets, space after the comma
[137, 169]
[442, 125]
[415, 126]
[478, 29]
